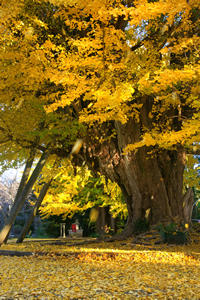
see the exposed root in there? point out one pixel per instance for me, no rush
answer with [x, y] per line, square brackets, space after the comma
[149, 239]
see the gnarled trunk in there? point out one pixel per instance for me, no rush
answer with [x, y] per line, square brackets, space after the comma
[149, 182]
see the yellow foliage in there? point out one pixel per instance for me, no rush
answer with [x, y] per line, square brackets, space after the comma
[100, 66]
[100, 271]
[191, 178]
[59, 198]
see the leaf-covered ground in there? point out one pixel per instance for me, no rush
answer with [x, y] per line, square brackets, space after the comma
[119, 270]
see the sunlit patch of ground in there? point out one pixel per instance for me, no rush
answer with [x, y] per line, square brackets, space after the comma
[118, 270]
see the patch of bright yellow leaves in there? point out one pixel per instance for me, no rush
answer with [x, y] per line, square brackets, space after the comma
[117, 270]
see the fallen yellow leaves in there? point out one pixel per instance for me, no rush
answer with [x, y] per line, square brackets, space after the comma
[111, 271]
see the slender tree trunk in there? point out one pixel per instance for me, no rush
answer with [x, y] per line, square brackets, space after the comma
[20, 201]
[33, 212]
[26, 173]
[38, 203]
[188, 201]
[24, 179]
[105, 221]
[113, 223]
[101, 221]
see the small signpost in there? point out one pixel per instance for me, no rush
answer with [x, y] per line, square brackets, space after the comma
[62, 230]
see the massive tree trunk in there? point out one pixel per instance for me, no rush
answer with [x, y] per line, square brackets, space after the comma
[149, 182]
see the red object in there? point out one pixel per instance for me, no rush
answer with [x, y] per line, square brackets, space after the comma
[73, 227]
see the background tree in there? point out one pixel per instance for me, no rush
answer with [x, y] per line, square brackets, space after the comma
[24, 124]
[8, 190]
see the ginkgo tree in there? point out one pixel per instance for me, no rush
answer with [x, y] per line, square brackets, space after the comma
[131, 72]
[127, 72]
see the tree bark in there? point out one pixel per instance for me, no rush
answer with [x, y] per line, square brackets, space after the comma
[105, 223]
[37, 204]
[19, 203]
[26, 173]
[24, 180]
[101, 222]
[151, 178]
[188, 200]
[33, 212]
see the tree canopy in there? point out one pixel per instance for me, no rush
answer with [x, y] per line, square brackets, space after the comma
[101, 61]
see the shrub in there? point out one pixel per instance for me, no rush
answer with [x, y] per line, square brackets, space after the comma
[173, 234]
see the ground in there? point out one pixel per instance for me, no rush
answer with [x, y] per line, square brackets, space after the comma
[117, 270]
